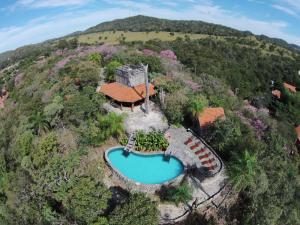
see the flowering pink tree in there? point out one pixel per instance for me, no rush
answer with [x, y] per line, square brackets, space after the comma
[149, 52]
[168, 54]
[106, 50]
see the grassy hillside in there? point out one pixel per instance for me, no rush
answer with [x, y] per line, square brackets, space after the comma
[145, 23]
[115, 37]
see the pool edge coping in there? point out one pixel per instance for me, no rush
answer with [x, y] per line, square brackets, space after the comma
[140, 186]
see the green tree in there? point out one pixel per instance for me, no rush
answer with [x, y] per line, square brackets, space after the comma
[53, 111]
[197, 104]
[138, 210]
[242, 170]
[105, 126]
[179, 194]
[87, 200]
[62, 44]
[48, 145]
[73, 43]
[39, 123]
[95, 58]
[111, 70]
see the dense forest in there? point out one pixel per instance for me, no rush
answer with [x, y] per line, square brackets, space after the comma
[54, 129]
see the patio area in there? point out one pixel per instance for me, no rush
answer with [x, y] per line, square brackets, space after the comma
[136, 119]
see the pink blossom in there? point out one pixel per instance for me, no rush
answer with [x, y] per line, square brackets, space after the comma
[18, 79]
[149, 52]
[194, 86]
[168, 54]
[106, 50]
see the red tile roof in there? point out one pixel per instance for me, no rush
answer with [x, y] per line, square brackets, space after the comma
[123, 93]
[210, 115]
[290, 87]
[2, 99]
[276, 93]
[297, 129]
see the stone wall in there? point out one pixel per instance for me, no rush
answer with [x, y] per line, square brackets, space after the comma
[130, 76]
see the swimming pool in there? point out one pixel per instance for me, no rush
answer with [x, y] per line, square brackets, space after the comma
[145, 168]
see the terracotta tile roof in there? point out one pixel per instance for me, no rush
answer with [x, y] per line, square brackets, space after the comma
[297, 129]
[2, 100]
[290, 87]
[210, 115]
[276, 93]
[123, 93]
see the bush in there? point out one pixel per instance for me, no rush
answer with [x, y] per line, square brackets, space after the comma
[152, 141]
[179, 194]
[111, 70]
[105, 126]
[138, 210]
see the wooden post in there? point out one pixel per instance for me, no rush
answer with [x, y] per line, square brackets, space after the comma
[132, 105]
[121, 105]
[147, 89]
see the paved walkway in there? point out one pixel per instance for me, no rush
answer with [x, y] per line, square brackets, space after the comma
[138, 120]
[205, 185]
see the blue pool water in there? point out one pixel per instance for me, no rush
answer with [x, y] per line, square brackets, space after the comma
[145, 169]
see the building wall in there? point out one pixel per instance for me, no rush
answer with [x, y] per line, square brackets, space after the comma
[130, 77]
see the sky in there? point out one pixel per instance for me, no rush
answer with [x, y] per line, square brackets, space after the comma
[25, 22]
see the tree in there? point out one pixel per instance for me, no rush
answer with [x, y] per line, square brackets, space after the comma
[53, 111]
[87, 200]
[105, 126]
[39, 123]
[242, 170]
[73, 43]
[111, 69]
[95, 58]
[62, 44]
[47, 146]
[138, 210]
[197, 104]
[179, 194]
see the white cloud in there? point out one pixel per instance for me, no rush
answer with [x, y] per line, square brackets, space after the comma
[291, 7]
[49, 4]
[44, 28]
[285, 9]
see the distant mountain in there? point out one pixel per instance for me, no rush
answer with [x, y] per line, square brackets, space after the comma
[146, 23]
[143, 24]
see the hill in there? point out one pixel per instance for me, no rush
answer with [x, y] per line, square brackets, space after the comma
[145, 23]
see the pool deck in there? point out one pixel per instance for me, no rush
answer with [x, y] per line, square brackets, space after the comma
[207, 184]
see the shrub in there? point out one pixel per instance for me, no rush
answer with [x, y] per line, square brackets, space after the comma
[111, 69]
[138, 210]
[95, 58]
[105, 126]
[179, 194]
[152, 141]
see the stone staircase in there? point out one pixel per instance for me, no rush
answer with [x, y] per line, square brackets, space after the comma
[208, 159]
[131, 143]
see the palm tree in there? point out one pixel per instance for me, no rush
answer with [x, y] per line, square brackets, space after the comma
[111, 125]
[196, 106]
[242, 170]
[39, 123]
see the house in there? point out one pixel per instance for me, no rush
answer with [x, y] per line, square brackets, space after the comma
[276, 93]
[129, 88]
[290, 87]
[209, 116]
[297, 129]
[3, 96]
